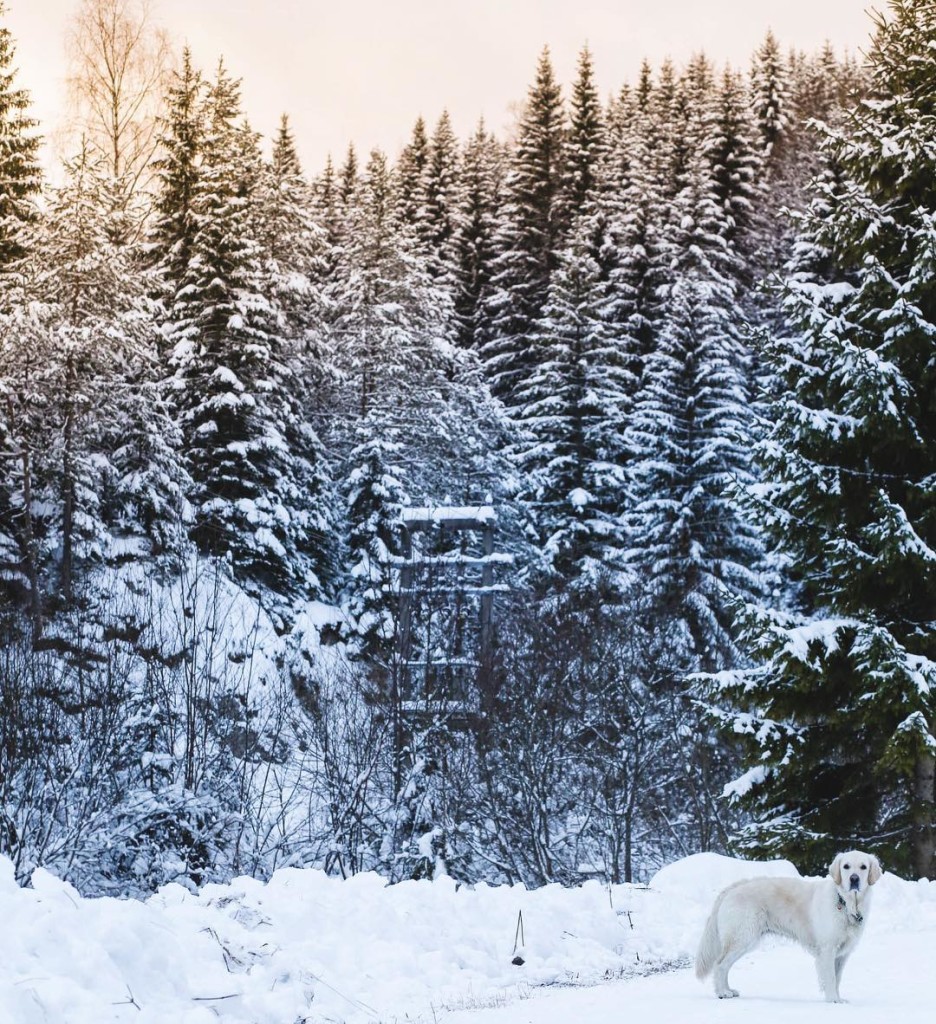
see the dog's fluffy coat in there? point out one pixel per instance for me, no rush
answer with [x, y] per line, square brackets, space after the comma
[826, 916]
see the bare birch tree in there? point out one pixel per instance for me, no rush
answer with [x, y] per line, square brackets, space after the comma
[118, 63]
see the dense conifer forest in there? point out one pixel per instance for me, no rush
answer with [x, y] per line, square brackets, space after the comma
[524, 510]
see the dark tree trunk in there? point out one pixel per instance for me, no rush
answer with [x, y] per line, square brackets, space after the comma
[924, 838]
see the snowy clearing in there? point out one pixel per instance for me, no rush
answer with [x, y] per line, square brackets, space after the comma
[888, 978]
[306, 948]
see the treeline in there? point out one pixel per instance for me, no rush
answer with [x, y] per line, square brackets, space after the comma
[221, 382]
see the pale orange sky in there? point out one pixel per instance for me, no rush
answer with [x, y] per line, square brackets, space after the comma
[362, 70]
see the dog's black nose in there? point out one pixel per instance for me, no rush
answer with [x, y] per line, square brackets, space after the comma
[855, 882]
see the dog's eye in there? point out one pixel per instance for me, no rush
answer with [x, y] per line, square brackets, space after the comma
[864, 867]
[845, 866]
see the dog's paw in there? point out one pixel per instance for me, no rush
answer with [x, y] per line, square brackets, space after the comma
[729, 993]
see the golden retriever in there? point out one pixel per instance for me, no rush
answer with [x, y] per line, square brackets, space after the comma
[824, 915]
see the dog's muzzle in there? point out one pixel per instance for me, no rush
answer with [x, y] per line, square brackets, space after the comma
[854, 882]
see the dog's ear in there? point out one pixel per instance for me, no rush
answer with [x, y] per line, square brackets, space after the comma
[874, 872]
[835, 869]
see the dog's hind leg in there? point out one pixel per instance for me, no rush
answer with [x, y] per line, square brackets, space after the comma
[731, 955]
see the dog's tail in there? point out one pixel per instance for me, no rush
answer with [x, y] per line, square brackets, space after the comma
[709, 945]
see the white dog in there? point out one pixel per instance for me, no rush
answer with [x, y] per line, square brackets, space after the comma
[825, 915]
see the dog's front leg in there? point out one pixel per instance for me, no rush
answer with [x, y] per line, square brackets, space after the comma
[839, 967]
[829, 972]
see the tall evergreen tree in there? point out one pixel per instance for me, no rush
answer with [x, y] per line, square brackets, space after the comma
[81, 279]
[180, 145]
[22, 180]
[588, 150]
[91, 273]
[690, 433]
[348, 176]
[25, 365]
[478, 208]
[19, 156]
[736, 163]
[688, 130]
[328, 214]
[771, 100]
[256, 465]
[631, 201]
[644, 88]
[437, 222]
[845, 683]
[531, 232]
[294, 246]
[586, 140]
[571, 413]
[411, 175]
[664, 112]
[687, 440]
[283, 199]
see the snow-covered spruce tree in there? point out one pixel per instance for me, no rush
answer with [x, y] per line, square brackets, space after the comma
[93, 437]
[24, 367]
[690, 432]
[816, 87]
[375, 497]
[300, 232]
[824, 89]
[737, 167]
[781, 139]
[771, 100]
[99, 470]
[19, 156]
[640, 178]
[587, 186]
[255, 463]
[841, 708]
[480, 183]
[630, 203]
[327, 214]
[295, 248]
[437, 219]
[688, 439]
[177, 166]
[22, 180]
[532, 227]
[586, 140]
[84, 283]
[348, 177]
[571, 412]
[689, 126]
[283, 207]
[410, 171]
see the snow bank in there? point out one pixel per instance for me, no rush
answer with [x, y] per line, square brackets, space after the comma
[308, 947]
[684, 893]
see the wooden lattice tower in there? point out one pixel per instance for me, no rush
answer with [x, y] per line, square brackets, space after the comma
[428, 572]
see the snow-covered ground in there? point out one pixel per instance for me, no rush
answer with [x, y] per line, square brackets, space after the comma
[309, 949]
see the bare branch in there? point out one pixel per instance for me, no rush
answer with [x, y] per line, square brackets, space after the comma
[118, 63]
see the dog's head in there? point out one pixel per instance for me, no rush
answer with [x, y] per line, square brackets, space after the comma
[854, 871]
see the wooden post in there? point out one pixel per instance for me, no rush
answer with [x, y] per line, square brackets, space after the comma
[400, 682]
[486, 667]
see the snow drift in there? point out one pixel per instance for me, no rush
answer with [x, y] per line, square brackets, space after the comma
[312, 948]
